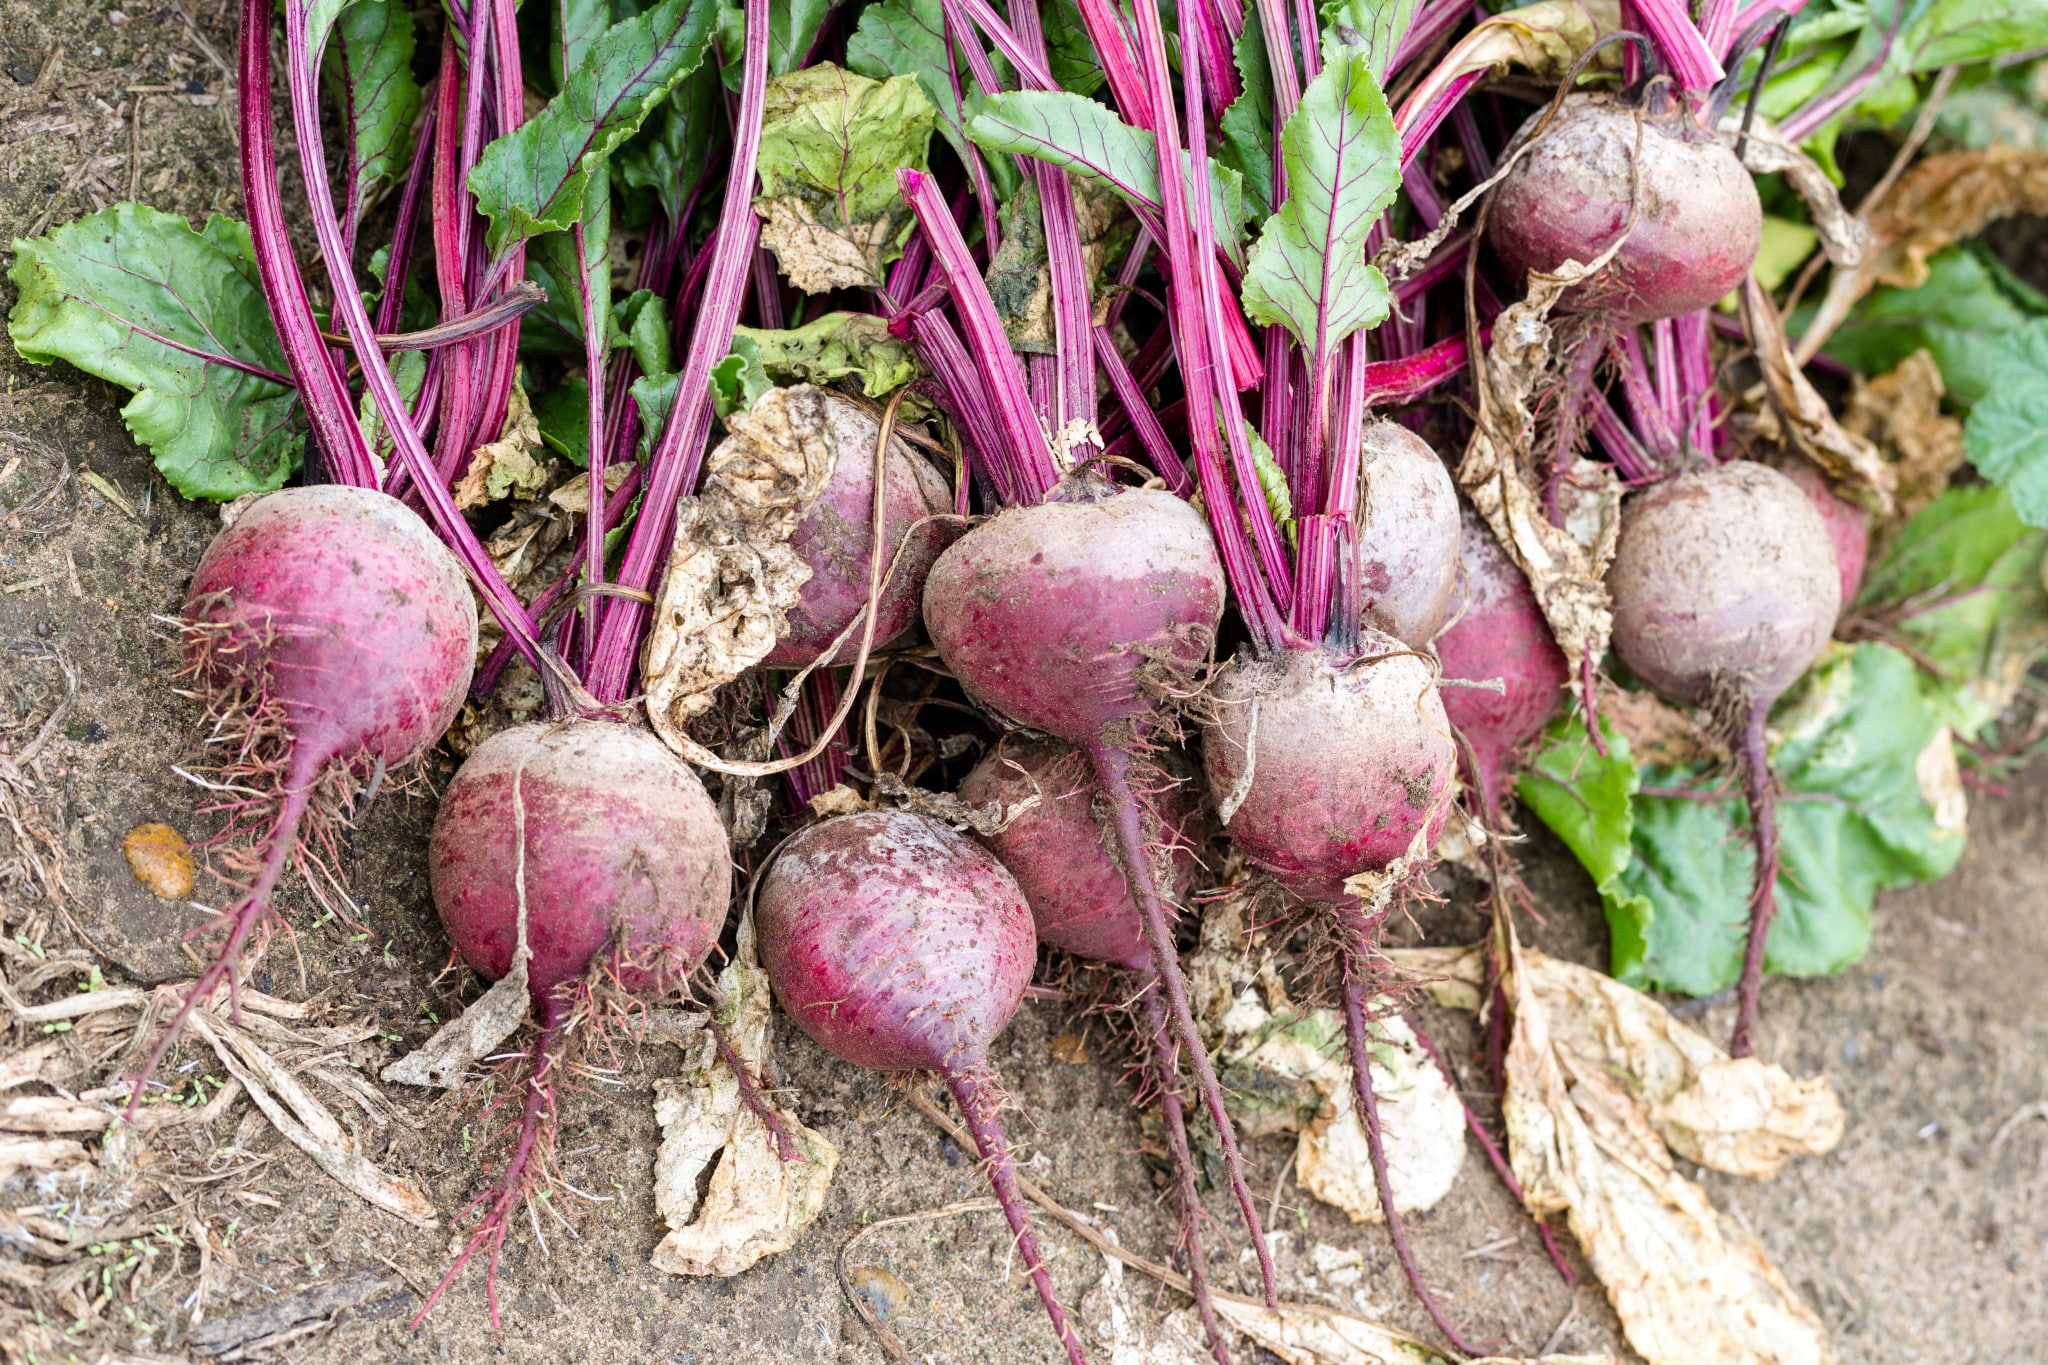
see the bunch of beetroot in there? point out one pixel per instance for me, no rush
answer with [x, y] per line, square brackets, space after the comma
[1211, 582]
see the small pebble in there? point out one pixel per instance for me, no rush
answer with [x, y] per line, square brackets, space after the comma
[885, 1294]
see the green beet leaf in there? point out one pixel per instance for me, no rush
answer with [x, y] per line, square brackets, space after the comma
[534, 179]
[1308, 272]
[1960, 589]
[138, 298]
[1373, 27]
[1959, 314]
[2007, 434]
[672, 151]
[1585, 798]
[738, 380]
[907, 37]
[831, 348]
[831, 144]
[792, 29]
[1247, 125]
[1862, 762]
[370, 64]
[563, 413]
[1086, 138]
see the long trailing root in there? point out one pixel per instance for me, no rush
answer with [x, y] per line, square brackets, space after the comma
[1354, 995]
[1760, 786]
[530, 1151]
[975, 1091]
[1113, 772]
[1165, 1067]
[242, 920]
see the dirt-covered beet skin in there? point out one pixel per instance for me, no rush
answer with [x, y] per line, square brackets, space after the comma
[1697, 229]
[1408, 534]
[1064, 854]
[621, 846]
[342, 605]
[895, 942]
[834, 539]
[1051, 613]
[1848, 525]
[1498, 631]
[1725, 586]
[1348, 764]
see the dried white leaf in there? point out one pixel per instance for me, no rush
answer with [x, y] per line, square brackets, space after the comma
[757, 1204]
[731, 573]
[1422, 1125]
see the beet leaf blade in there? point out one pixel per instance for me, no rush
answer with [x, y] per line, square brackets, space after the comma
[139, 299]
[534, 179]
[1308, 272]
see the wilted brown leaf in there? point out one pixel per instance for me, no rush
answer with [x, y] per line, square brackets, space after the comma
[160, 859]
[1566, 565]
[1901, 412]
[1944, 199]
[512, 464]
[757, 1204]
[1657, 732]
[1849, 460]
[731, 574]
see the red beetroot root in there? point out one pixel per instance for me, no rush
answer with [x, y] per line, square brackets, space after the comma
[1698, 222]
[1848, 525]
[1073, 617]
[1348, 764]
[1408, 534]
[1323, 771]
[1499, 632]
[835, 539]
[1726, 589]
[331, 630]
[1066, 859]
[610, 845]
[1064, 853]
[899, 945]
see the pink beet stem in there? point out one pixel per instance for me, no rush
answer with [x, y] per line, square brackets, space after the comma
[1761, 788]
[1112, 772]
[974, 1090]
[1369, 1119]
[1166, 1074]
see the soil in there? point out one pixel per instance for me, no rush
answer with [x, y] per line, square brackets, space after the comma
[1920, 1237]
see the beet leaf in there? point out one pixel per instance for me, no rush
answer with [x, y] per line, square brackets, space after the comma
[138, 298]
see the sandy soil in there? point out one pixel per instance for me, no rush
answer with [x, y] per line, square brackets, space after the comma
[1920, 1238]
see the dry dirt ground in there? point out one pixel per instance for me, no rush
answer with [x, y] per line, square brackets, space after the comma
[1921, 1238]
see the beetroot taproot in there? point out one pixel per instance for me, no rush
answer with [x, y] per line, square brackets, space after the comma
[1498, 631]
[1725, 590]
[900, 945]
[331, 638]
[835, 538]
[1075, 616]
[1697, 220]
[1408, 534]
[605, 844]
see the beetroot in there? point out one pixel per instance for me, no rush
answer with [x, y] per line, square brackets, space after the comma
[1498, 632]
[1725, 590]
[608, 844]
[899, 945]
[835, 538]
[331, 637]
[1065, 856]
[1052, 613]
[1348, 763]
[622, 853]
[1073, 616]
[1068, 864]
[1848, 525]
[1408, 534]
[1698, 221]
[1326, 768]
